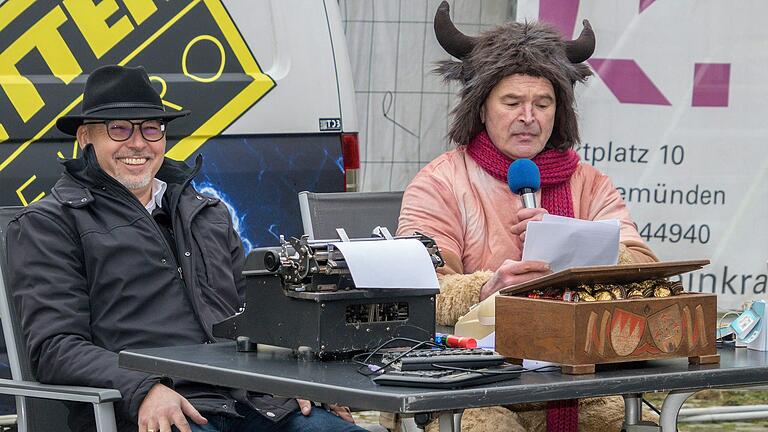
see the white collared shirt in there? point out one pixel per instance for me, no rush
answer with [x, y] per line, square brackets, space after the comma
[158, 190]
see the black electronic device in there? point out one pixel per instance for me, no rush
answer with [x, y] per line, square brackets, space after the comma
[435, 359]
[449, 379]
[301, 295]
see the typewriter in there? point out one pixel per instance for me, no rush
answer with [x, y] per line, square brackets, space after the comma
[301, 295]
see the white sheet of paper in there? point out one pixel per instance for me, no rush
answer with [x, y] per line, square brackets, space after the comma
[566, 242]
[400, 263]
[535, 364]
[488, 342]
[578, 222]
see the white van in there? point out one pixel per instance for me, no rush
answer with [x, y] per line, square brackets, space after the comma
[268, 82]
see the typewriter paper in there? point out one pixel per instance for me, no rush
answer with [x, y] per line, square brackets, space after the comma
[403, 263]
[566, 242]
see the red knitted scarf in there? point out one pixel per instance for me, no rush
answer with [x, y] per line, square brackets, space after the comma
[556, 168]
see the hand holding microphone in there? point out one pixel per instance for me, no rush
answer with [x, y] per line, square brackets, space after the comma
[524, 179]
[525, 215]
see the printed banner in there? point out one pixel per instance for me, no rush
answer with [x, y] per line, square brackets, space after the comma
[675, 115]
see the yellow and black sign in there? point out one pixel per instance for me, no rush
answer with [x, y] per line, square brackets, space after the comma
[192, 50]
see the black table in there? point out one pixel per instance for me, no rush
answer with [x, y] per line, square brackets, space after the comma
[278, 371]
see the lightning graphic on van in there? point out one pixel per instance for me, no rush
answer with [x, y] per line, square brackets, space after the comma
[238, 222]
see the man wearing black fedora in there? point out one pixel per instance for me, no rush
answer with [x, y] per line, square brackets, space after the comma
[125, 253]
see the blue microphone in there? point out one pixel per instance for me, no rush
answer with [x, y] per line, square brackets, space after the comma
[524, 179]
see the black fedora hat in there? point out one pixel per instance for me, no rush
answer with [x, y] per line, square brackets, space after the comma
[117, 92]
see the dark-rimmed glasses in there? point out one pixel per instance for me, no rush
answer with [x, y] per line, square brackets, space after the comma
[121, 130]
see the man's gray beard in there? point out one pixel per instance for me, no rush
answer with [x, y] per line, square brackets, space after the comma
[133, 183]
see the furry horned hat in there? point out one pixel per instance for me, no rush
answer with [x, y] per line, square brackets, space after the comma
[531, 48]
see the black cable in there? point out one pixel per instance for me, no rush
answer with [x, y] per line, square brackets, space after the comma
[366, 369]
[367, 365]
[651, 406]
[499, 372]
[417, 342]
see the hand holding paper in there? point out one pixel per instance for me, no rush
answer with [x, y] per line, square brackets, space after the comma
[566, 242]
[525, 216]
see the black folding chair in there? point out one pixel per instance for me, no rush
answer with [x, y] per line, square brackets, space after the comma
[359, 213]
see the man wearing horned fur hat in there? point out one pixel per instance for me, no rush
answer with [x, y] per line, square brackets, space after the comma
[517, 101]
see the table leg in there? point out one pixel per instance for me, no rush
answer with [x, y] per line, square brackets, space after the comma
[457, 419]
[632, 408]
[450, 421]
[446, 421]
[633, 415]
[670, 408]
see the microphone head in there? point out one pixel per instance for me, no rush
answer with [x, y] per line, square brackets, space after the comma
[522, 174]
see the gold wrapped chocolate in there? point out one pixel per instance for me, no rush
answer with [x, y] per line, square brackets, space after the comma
[603, 296]
[606, 287]
[604, 292]
[618, 292]
[677, 288]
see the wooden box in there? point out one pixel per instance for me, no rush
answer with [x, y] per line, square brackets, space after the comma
[580, 335]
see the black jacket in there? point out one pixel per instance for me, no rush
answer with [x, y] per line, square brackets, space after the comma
[92, 274]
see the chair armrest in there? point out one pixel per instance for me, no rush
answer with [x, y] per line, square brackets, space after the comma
[58, 392]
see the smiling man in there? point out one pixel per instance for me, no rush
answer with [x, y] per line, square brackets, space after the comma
[125, 253]
[132, 162]
[516, 101]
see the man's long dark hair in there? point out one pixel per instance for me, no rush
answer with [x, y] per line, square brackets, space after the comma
[531, 48]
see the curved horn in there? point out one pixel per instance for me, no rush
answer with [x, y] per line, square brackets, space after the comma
[450, 38]
[578, 50]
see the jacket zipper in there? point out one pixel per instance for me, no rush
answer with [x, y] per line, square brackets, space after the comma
[179, 266]
[190, 285]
